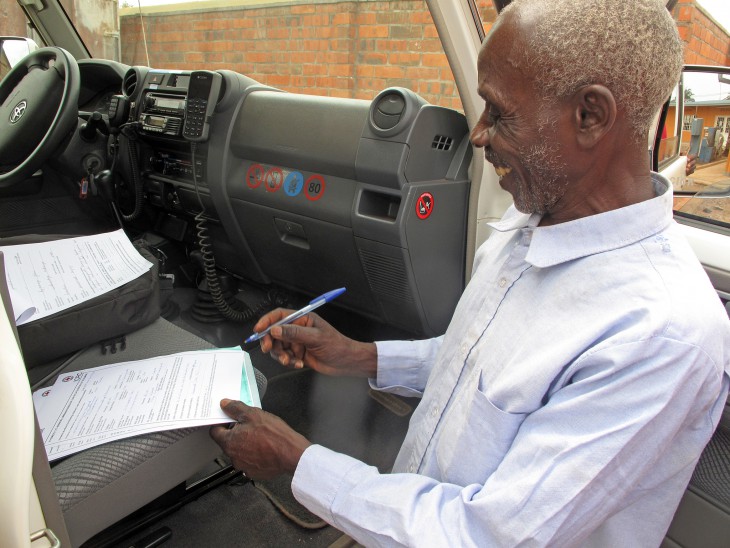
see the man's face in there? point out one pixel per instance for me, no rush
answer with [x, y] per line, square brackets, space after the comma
[518, 129]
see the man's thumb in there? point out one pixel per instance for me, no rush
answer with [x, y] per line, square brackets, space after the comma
[235, 409]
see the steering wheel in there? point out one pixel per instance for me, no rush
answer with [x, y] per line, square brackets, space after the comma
[38, 109]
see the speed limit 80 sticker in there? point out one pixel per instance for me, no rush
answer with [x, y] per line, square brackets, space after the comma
[314, 187]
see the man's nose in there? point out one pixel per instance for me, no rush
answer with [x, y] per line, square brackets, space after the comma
[479, 136]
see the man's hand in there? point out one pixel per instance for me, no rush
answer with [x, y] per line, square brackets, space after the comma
[313, 342]
[691, 164]
[260, 444]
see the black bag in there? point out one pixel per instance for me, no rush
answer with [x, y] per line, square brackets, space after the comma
[115, 313]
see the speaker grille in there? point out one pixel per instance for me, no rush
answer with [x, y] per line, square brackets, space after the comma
[386, 276]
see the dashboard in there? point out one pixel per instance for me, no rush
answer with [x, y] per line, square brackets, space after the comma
[308, 192]
[100, 81]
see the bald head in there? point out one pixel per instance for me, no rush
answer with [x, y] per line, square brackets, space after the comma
[631, 47]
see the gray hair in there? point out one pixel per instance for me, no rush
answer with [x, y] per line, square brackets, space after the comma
[630, 46]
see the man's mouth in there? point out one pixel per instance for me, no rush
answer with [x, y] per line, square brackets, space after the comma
[499, 167]
[502, 170]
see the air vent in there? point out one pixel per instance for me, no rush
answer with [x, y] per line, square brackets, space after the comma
[388, 110]
[441, 142]
[129, 84]
[393, 111]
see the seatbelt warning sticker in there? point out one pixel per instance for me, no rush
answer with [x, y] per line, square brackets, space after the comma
[293, 183]
[255, 175]
[424, 205]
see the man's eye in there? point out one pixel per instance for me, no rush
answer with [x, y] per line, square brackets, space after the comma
[492, 115]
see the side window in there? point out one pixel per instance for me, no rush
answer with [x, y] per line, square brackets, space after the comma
[701, 191]
[13, 23]
[670, 139]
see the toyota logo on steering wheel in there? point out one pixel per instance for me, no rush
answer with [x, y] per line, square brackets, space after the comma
[18, 111]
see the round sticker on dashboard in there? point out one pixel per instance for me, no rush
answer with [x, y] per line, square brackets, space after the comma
[274, 178]
[293, 183]
[255, 175]
[314, 187]
[424, 205]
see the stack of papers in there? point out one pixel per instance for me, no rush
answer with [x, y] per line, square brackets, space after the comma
[47, 277]
[94, 406]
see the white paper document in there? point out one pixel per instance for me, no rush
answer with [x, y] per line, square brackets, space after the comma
[94, 406]
[53, 276]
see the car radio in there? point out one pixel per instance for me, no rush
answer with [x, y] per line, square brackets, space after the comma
[162, 113]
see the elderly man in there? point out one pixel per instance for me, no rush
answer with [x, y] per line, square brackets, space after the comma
[586, 365]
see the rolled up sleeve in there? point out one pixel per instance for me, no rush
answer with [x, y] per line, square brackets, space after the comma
[404, 366]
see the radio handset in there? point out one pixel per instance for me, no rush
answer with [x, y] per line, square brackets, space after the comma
[203, 93]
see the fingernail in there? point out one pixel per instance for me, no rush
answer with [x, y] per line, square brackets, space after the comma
[225, 401]
[276, 331]
[299, 364]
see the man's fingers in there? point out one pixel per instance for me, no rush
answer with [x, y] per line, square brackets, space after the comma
[220, 434]
[235, 409]
[270, 318]
[298, 334]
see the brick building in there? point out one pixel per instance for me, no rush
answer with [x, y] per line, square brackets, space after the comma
[296, 46]
[341, 48]
[706, 41]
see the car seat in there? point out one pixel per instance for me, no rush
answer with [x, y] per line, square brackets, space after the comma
[97, 487]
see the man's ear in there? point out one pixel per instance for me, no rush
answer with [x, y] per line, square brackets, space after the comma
[594, 114]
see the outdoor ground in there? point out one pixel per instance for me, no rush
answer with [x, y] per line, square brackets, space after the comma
[710, 188]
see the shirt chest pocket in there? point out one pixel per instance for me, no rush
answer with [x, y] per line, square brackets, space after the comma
[474, 436]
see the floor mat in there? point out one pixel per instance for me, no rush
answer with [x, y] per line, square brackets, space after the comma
[235, 514]
[278, 491]
[337, 413]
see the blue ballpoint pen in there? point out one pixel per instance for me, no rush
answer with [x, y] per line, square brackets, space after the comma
[314, 303]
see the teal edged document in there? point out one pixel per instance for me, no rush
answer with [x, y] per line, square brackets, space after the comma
[89, 407]
[249, 388]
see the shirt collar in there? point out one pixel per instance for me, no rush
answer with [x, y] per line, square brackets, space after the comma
[555, 244]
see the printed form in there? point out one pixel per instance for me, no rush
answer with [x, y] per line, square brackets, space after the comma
[94, 406]
[47, 277]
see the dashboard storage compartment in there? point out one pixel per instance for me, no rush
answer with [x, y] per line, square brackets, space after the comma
[346, 203]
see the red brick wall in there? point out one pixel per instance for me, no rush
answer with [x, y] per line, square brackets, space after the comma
[311, 48]
[706, 42]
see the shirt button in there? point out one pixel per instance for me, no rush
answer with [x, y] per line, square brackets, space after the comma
[412, 468]
[502, 282]
[435, 411]
[464, 349]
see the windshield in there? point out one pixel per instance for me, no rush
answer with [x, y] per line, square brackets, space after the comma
[349, 49]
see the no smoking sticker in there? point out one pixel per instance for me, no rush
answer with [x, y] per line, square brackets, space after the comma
[255, 175]
[424, 205]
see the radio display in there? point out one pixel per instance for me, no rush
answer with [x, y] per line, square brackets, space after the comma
[155, 121]
[163, 102]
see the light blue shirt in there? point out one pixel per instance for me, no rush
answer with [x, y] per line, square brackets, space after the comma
[584, 370]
